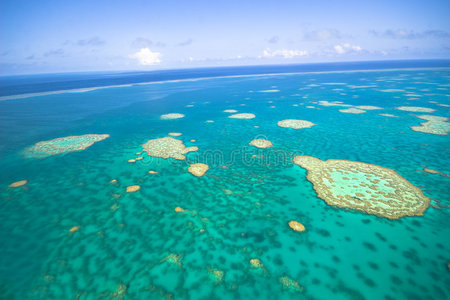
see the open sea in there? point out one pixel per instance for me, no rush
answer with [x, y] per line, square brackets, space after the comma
[74, 232]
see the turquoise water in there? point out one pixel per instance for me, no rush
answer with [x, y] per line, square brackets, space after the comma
[240, 209]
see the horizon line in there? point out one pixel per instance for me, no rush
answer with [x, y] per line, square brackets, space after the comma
[224, 67]
[92, 88]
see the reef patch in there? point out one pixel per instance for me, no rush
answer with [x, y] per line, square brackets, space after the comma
[415, 109]
[198, 169]
[242, 116]
[172, 116]
[18, 183]
[364, 187]
[352, 111]
[295, 124]
[167, 147]
[433, 125]
[64, 145]
[261, 143]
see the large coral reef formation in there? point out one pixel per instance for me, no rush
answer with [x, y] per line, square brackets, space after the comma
[167, 147]
[64, 145]
[433, 125]
[364, 187]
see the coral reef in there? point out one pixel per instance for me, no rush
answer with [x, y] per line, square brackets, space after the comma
[290, 284]
[172, 116]
[296, 226]
[120, 292]
[198, 169]
[173, 259]
[242, 116]
[74, 229]
[179, 209]
[415, 109]
[352, 111]
[167, 147]
[64, 145]
[175, 133]
[431, 171]
[333, 103]
[368, 107]
[434, 125]
[216, 275]
[261, 143]
[256, 263]
[365, 187]
[18, 183]
[133, 188]
[295, 124]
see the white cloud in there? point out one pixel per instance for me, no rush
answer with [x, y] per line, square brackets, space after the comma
[346, 48]
[215, 59]
[285, 53]
[410, 34]
[320, 35]
[146, 57]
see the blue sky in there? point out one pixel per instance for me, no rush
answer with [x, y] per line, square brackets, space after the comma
[69, 36]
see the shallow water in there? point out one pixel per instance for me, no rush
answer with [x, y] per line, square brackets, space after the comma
[239, 210]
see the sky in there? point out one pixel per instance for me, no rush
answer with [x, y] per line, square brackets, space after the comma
[107, 35]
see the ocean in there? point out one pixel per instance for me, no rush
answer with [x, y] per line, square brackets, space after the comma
[73, 231]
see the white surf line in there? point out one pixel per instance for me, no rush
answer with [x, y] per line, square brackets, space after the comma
[82, 90]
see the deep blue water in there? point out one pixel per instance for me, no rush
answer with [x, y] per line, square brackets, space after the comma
[12, 85]
[240, 209]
